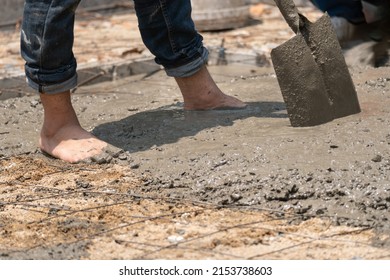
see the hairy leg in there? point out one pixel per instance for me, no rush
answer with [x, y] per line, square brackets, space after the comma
[62, 135]
[201, 93]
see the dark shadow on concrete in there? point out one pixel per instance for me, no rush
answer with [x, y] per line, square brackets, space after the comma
[168, 124]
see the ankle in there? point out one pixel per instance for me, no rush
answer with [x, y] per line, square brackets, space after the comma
[50, 130]
[58, 114]
[198, 88]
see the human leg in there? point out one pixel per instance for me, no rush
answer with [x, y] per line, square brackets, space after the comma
[169, 32]
[351, 10]
[46, 45]
[201, 93]
[347, 18]
[357, 19]
[62, 135]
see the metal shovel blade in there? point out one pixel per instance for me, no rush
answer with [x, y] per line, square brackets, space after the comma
[311, 70]
[323, 42]
[301, 83]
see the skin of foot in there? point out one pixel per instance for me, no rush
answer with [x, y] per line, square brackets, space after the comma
[63, 137]
[200, 92]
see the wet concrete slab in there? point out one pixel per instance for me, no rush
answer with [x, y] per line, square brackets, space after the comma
[250, 157]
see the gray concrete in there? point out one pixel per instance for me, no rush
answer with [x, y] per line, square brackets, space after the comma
[250, 157]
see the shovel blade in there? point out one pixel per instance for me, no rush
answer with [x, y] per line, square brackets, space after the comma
[301, 83]
[322, 40]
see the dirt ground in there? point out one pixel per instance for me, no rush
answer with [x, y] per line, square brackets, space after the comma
[200, 185]
[56, 211]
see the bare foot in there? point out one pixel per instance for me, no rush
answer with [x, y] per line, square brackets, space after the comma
[201, 93]
[62, 135]
[71, 144]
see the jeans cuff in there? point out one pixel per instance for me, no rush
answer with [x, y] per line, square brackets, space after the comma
[56, 88]
[190, 68]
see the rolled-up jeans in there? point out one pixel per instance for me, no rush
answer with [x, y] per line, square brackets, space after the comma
[47, 37]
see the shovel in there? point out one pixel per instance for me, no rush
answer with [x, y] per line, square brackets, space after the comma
[311, 71]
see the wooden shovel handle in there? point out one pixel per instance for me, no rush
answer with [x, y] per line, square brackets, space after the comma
[290, 13]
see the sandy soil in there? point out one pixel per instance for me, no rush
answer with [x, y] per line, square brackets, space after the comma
[51, 210]
[200, 185]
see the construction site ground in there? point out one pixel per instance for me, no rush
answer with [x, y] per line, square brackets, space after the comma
[239, 184]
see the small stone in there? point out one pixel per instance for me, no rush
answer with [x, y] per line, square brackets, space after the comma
[135, 166]
[235, 196]
[377, 158]
[34, 103]
[180, 231]
[175, 239]
[368, 167]
[83, 185]
[122, 156]
[132, 109]
[101, 159]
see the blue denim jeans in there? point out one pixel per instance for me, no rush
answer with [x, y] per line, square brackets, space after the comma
[351, 10]
[47, 39]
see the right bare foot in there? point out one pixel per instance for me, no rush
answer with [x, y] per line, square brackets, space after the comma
[62, 135]
[200, 92]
